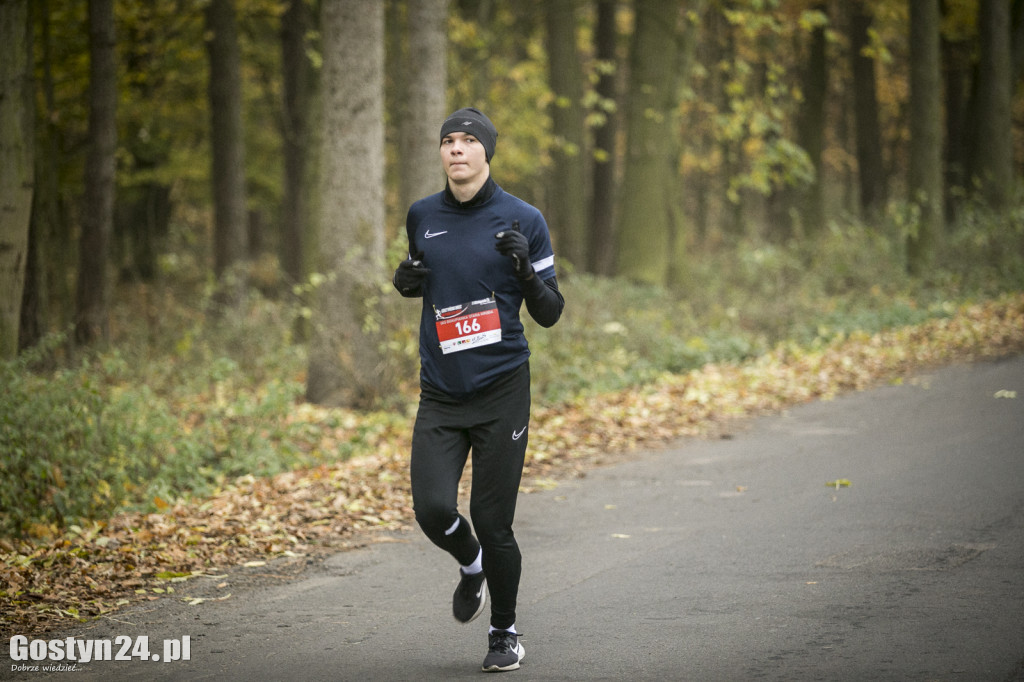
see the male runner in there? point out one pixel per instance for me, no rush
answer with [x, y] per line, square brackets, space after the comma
[477, 253]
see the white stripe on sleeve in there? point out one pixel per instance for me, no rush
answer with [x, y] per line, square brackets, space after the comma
[544, 263]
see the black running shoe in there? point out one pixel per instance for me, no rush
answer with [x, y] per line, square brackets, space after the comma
[504, 652]
[470, 597]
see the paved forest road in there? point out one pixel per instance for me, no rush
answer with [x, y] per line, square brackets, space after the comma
[727, 560]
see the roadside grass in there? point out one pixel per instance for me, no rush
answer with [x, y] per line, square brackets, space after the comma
[183, 402]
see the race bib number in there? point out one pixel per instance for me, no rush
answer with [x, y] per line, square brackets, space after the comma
[469, 325]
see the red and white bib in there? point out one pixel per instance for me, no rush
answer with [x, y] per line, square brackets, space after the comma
[468, 325]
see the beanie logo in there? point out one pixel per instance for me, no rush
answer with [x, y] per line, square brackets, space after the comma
[472, 122]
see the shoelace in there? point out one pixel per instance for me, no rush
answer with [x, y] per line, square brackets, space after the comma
[502, 642]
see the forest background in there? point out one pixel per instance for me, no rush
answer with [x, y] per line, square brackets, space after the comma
[203, 202]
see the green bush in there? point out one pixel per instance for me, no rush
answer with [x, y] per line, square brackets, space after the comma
[614, 334]
[984, 253]
[142, 426]
[51, 435]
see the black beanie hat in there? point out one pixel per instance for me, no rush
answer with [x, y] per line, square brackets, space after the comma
[474, 122]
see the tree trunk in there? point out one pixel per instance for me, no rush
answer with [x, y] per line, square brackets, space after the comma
[679, 238]
[733, 216]
[567, 212]
[1017, 39]
[811, 128]
[142, 212]
[141, 218]
[706, 184]
[49, 297]
[993, 151]
[601, 246]
[16, 164]
[425, 106]
[480, 12]
[870, 167]
[98, 212]
[957, 68]
[645, 237]
[925, 164]
[226, 137]
[346, 364]
[296, 72]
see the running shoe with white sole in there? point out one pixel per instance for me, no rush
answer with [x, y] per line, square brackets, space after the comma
[504, 652]
[470, 597]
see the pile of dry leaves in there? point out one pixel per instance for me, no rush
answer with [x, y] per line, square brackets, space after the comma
[91, 572]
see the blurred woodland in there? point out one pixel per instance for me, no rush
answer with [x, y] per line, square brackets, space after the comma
[274, 145]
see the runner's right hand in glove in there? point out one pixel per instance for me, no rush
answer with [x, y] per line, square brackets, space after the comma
[410, 274]
[514, 244]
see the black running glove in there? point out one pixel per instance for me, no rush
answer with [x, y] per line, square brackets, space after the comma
[543, 299]
[514, 244]
[409, 276]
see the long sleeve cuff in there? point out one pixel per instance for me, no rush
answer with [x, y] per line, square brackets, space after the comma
[544, 301]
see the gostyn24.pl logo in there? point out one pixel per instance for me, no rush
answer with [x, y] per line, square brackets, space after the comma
[70, 651]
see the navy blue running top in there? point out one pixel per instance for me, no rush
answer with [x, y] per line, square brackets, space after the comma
[458, 245]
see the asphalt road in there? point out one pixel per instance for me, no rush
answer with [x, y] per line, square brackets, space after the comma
[727, 560]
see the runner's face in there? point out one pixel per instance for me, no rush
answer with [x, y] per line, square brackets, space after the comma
[463, 157]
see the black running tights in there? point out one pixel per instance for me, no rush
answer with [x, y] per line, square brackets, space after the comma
[493, 425]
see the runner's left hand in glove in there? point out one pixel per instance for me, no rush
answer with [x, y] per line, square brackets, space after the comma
[513, 243]
[410, 274]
